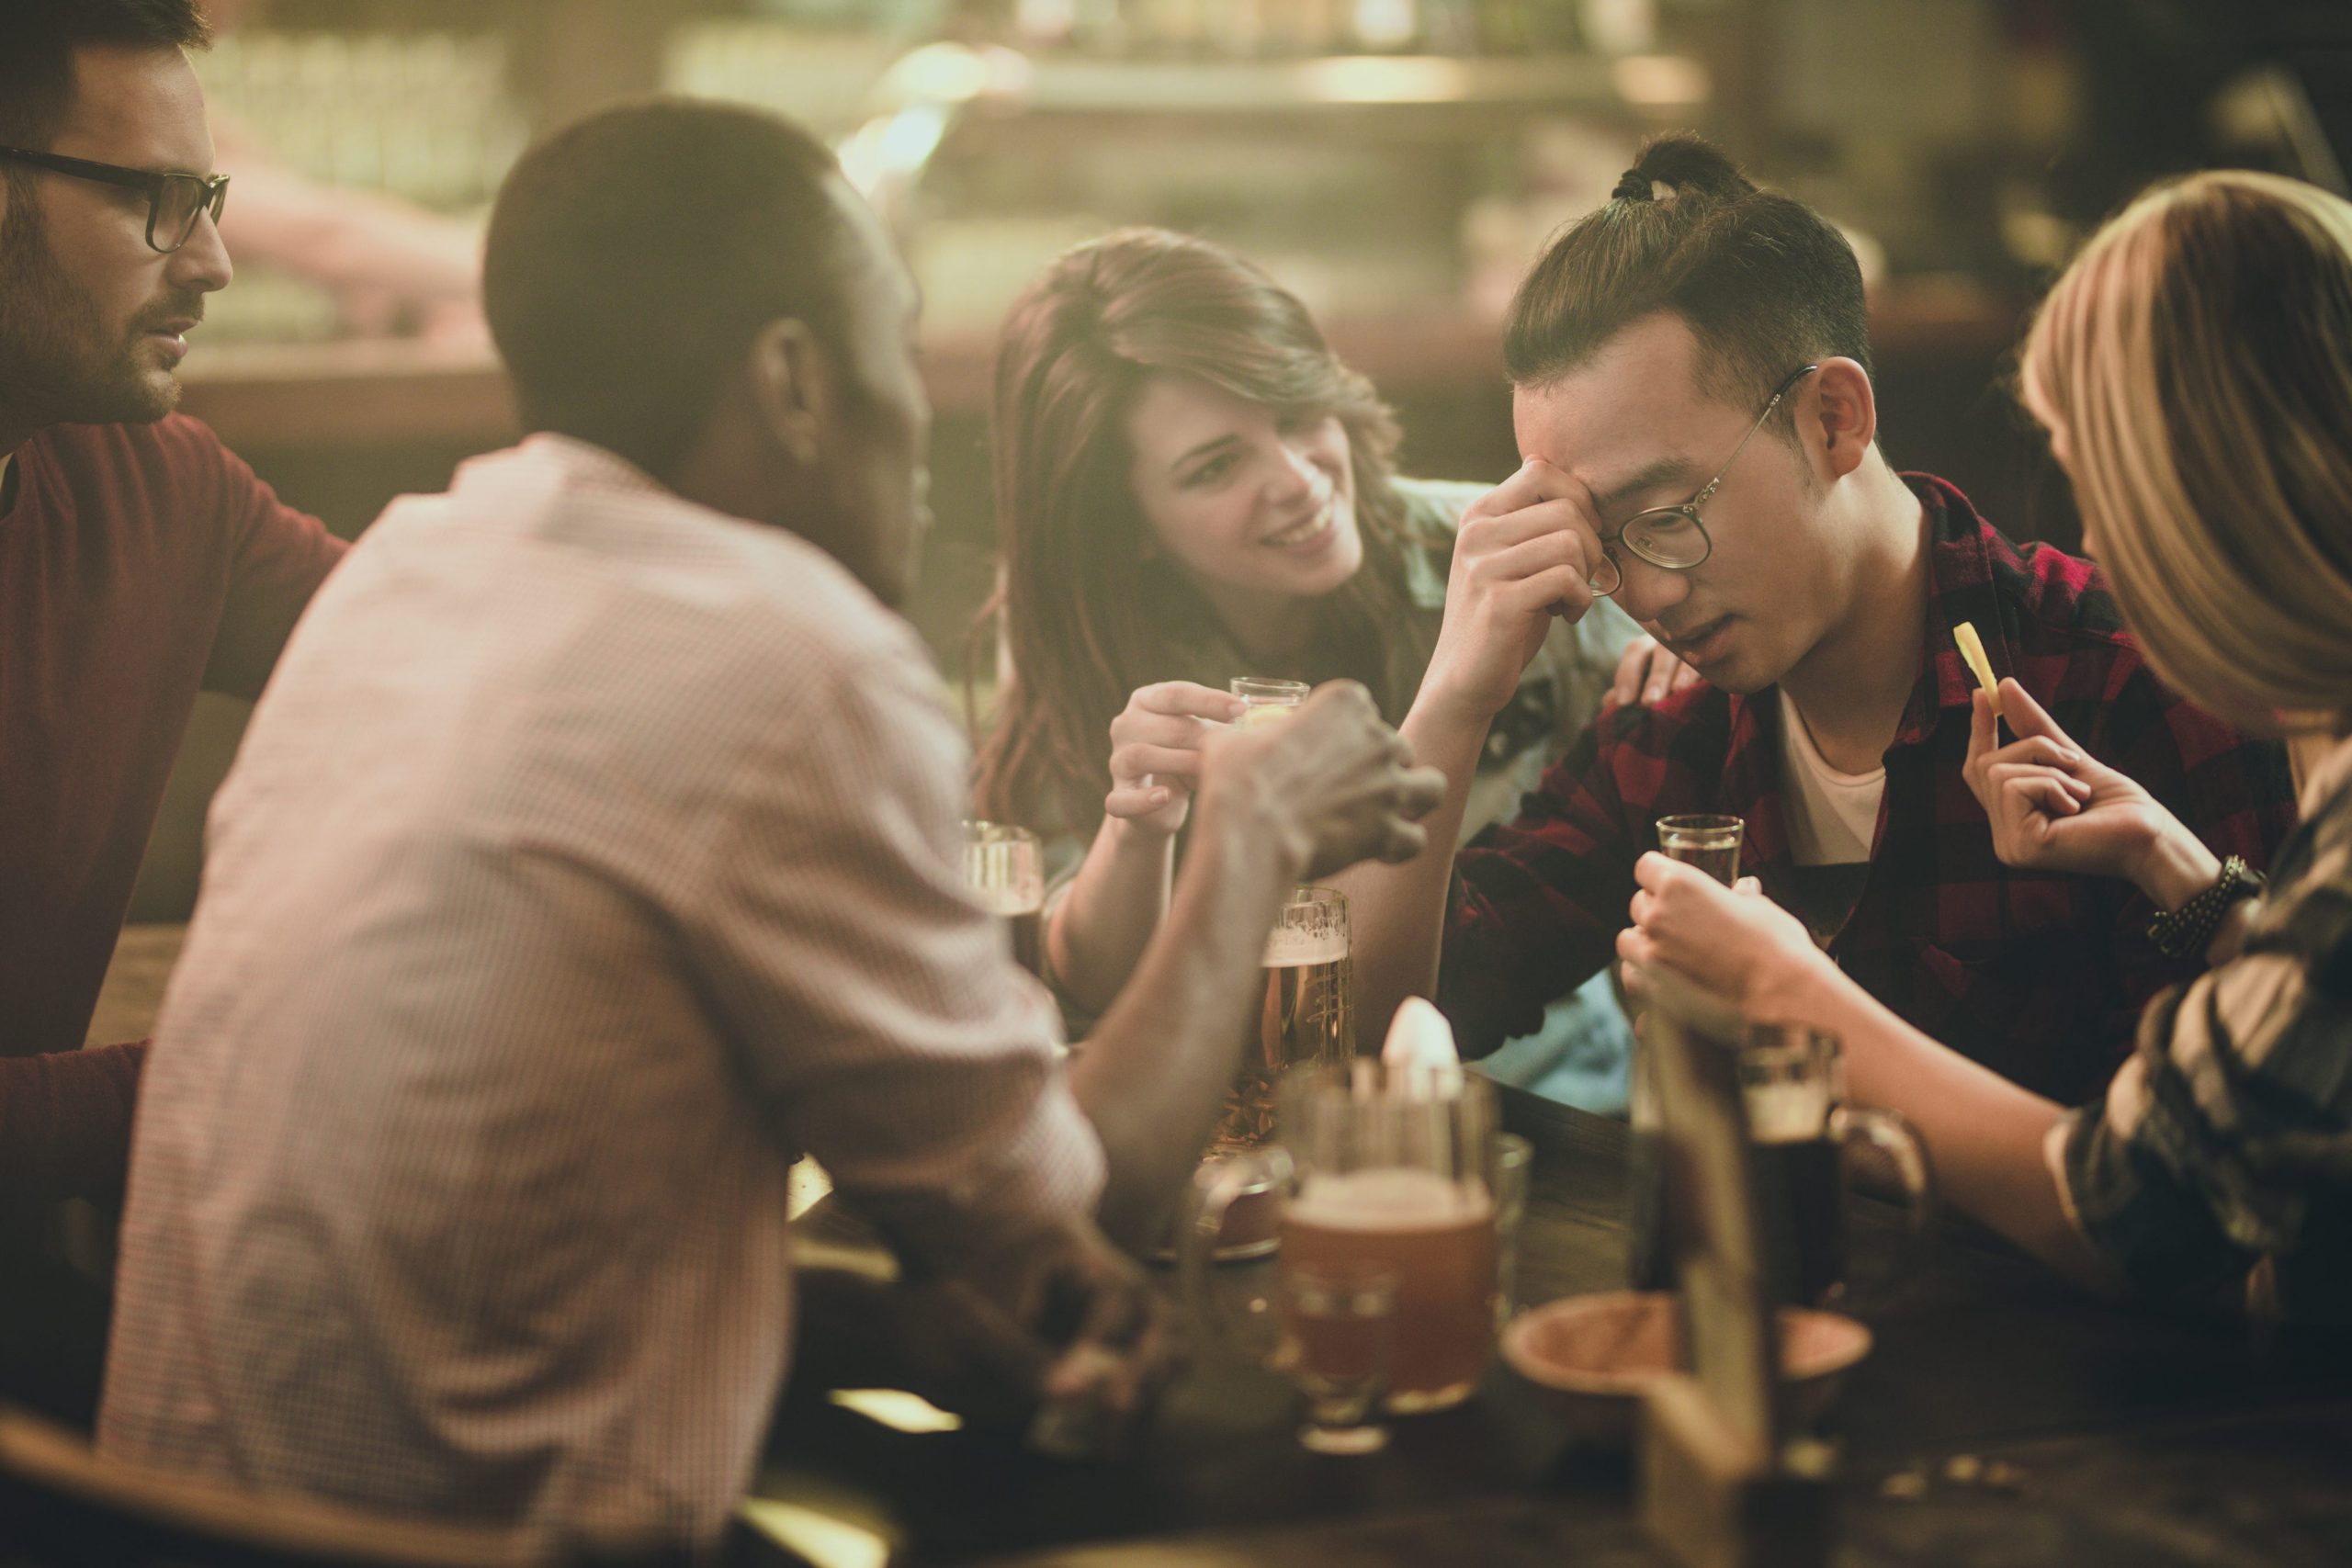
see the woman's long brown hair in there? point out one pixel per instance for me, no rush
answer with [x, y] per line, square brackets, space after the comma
[1087, 611]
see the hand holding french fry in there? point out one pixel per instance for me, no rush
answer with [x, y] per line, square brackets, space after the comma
[2053, 807]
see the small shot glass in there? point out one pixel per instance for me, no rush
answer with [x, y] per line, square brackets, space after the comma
[1337, 1330]
[1264, 698]
[1710, 844]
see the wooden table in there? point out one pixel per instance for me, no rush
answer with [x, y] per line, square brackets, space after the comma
[2003, 1419]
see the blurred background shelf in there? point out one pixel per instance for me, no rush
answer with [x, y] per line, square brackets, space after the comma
[390, 394]
[382, 393]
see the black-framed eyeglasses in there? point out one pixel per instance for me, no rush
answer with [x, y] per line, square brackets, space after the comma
[1672, 536]
[174, 201]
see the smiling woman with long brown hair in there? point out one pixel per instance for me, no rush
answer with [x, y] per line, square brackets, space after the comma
[1094, 597]
[1190, 486]
[2194, 370]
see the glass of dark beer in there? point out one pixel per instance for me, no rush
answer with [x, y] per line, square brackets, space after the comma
[1006, 867]
[1799, 1127]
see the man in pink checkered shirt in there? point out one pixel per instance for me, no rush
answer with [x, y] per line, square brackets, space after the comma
[593, 854]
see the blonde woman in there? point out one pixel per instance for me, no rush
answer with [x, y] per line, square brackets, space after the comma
[2194, 369]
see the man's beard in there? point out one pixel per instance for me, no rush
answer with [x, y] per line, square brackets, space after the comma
[55, 365]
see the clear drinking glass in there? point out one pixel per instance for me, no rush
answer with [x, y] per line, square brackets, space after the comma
[1006, 867]
[1265, 698]
[1306, 1012]
[1368, 1176]
[1710, 844]
[1338, 1326]
[1306, 1015]
[1514, 1157]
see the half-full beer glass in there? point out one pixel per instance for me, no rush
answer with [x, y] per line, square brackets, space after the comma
[1370, 1173]
[1006, 866]
[1306, 1012]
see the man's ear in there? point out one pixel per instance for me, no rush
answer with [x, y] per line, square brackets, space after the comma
[793, 387]
[1839, 416]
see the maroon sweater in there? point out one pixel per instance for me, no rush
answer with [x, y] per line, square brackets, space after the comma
[139, 564]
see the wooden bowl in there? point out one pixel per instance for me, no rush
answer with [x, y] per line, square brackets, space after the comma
[1592, 1357]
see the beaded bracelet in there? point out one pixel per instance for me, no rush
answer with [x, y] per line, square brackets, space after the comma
[2190, 928]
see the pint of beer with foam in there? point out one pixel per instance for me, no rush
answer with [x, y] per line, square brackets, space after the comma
[1306, 1013]
[1380, 1176]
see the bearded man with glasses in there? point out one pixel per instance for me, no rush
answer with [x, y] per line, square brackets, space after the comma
[140, 562]
[1695, 406]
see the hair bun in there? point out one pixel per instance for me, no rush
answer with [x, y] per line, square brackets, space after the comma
[1690, 165]
[1632, 185]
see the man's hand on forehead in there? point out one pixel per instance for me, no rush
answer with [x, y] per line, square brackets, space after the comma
[1535, 480]
[1539, 479]
[1525, 553]
[1539, 499]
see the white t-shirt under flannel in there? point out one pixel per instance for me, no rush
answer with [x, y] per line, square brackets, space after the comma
[1832, 816]
[589, 855]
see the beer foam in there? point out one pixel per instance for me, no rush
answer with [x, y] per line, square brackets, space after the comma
[1391, 1198]
[1287, 948]
[1786, 1113]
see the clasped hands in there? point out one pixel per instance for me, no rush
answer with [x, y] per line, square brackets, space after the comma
[1068, 1334]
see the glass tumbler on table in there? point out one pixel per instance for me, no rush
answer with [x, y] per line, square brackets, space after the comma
[1306, 1015]
[1372, 1174]
[1307, 1010]
[1338, 1328]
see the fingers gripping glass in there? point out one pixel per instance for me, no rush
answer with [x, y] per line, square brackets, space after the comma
[174, 201]
[1672, 536]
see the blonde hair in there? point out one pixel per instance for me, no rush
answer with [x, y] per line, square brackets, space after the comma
[2194, 366]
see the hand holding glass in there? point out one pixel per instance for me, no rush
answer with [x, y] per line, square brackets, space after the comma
[1264, 698]
[1710, 844]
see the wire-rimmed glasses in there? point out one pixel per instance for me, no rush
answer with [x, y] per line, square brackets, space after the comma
[1673, 538]
[174, 201]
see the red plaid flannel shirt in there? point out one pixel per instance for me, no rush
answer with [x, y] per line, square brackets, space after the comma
[2038, 975]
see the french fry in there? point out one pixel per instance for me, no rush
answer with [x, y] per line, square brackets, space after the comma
[1972, 648]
